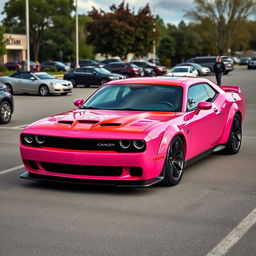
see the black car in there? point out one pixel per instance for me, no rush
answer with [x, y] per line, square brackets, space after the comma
[244, 61]
[90, 76]
[107, 61]
[252, 63]
[54, 64]
[6, 105]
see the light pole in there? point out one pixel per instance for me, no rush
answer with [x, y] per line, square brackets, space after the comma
[154, 31]
[77, 43]
[27, 34]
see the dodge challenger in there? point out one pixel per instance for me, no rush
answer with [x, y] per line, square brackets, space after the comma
[135, 132]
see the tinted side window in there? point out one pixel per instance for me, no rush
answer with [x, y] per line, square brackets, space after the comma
[196, 94]
[16, 75]
[211, 92]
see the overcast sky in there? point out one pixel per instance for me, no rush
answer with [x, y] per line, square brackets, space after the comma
[171, 11]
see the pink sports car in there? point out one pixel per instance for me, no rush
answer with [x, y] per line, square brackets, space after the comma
[135, 132]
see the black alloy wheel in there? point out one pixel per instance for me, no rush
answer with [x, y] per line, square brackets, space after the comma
[73, 81]
[174, 163]
[44, 90]
[5, 112]
[235, 137]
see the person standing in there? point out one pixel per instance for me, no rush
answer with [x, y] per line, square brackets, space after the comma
[219, 69]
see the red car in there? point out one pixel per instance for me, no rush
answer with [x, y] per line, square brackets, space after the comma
[159, 70]
[127, 69]
[135, 132]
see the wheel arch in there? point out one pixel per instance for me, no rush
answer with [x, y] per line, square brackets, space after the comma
[226, 132]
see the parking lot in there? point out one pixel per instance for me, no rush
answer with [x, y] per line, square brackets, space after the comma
[216, 196]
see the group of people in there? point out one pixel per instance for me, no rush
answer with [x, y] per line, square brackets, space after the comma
[22, 66]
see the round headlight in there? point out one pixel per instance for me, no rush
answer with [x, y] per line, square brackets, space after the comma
[28, 138]
[125, 143]
[139, 144]
[40, 139]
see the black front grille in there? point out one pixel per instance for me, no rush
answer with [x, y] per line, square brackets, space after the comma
[82, 169]
[80, 144]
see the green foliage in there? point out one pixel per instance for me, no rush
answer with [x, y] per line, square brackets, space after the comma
[225, 17]
[2, 68]
[121, 31]
[2, 41]
[166, 49]
[188, 42]
[50, 69]
[43, 15]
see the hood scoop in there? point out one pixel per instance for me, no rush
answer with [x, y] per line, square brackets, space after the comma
[65, 122]
[88, 121]
[110, 124]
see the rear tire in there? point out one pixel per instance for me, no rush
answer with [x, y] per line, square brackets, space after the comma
[5, 112]
[174, 163]
[235, 137]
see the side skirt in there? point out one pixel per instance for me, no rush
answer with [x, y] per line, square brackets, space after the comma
[204, 154]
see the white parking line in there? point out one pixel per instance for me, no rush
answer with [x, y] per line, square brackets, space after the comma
[20, 127]
[234, 236]
[11, 169]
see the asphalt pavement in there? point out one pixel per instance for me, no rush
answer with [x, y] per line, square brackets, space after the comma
[211, 212]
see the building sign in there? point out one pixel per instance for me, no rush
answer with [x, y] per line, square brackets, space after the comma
[11, 41]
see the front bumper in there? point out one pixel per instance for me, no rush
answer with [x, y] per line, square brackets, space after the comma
[115, 183]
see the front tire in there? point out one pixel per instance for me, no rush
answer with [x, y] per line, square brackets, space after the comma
[5, 112]
[174, 163]
[44, 90]
[235, 137]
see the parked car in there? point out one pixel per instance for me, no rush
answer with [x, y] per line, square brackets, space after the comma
[60, 66]
[229, 64]
[91, 76]
[184, 71]
[202, 71]
[36, 83]
[156, 62]
[6, 105]
[205, 61]
[236, 60]
[244, 60]
[126, 69]
[159, 70]
[33, 65]
[107, 61]
[209, 61]
[12, 65]
[135, 132]
[252, 63]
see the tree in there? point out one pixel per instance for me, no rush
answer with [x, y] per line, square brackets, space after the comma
[188, 42]
[2, 41]
[43, 14]
[166, 49]
[121, 31]
[225, 15]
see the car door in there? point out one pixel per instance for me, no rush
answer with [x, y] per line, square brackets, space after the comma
[205, 125]
[28, 83]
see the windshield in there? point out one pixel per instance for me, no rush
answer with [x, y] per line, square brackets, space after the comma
[103, 70]
[180, 70]
[136, 97]
[44, 76]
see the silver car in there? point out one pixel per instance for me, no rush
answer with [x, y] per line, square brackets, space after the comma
[36, 83]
